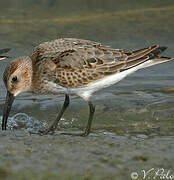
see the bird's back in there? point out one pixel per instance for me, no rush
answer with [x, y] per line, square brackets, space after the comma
[75, 62]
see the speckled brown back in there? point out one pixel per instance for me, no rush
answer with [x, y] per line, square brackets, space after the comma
[75, 62]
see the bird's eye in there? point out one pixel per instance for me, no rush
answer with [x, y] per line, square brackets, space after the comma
[14, 79]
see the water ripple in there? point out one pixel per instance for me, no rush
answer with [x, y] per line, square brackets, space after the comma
[23, 121]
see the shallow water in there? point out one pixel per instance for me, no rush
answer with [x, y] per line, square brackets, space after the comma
[143, 103]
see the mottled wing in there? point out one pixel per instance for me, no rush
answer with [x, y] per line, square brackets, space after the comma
[75, 62]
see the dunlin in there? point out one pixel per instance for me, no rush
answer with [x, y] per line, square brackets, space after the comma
[73, 66]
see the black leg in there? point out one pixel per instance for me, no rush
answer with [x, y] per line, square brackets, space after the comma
[91, 115]
[88, 127]
[55, 123]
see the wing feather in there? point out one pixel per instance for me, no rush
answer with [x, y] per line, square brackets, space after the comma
[76, 62]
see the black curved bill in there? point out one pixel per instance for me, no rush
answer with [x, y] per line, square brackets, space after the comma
[7, 107]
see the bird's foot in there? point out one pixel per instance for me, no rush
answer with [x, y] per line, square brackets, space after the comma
[84, 134]
[50, 130]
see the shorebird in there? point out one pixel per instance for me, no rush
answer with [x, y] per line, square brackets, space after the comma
[3, 51]
[73, 66]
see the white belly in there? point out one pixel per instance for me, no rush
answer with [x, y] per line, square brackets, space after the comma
[86, 91]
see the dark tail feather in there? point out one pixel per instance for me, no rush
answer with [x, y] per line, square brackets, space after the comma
[157, 51]
[2, 51]
[138, 57]
[3, 57]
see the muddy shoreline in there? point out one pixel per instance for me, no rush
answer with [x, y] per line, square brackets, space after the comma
[102, 155]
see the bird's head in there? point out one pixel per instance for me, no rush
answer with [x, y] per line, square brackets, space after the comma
[17, 78]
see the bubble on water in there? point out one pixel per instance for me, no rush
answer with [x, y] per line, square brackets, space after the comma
[21, 120]
[24, 122]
